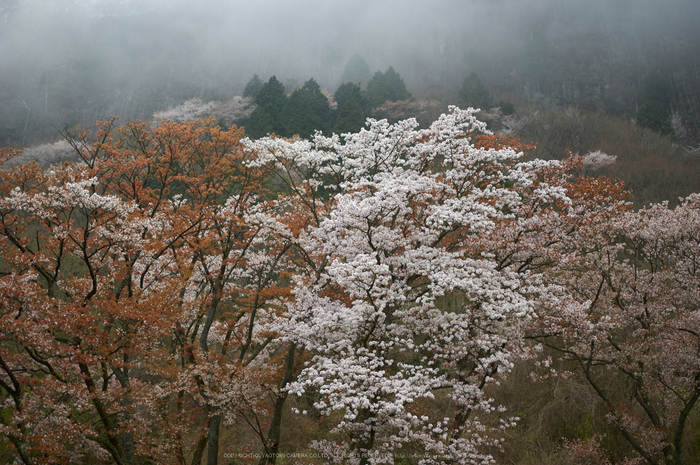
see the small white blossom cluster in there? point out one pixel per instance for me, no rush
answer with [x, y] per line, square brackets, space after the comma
[46, 154]
[190, 110]
[597, 159]
[225, 113]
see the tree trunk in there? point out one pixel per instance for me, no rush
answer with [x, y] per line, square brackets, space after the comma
[199, 450]
[213, 450]
[273, 436]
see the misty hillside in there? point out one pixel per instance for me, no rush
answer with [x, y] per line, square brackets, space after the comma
[449, 232]
[68, 63]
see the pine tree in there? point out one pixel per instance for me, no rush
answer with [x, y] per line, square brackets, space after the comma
[253, 87]
[261, 123]
[267, 118]
[387, 86]
[350, 118]
[299, 117]
[356, 71]
[349, 91]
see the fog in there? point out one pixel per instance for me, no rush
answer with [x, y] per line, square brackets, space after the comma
[131, 57]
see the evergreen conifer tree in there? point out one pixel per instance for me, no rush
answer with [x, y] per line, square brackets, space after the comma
[253, 87]
[387, 86]
[350, 118]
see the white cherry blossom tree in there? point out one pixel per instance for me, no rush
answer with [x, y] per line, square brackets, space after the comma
[408, 306]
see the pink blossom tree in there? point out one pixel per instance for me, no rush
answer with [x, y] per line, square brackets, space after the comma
[627, 316]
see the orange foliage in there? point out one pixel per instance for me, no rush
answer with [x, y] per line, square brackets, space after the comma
[127, 286]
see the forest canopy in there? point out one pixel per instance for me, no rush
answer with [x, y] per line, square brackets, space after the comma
[182, 282]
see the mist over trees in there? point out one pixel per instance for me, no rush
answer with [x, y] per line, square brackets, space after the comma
[262, 232]
[66, 63]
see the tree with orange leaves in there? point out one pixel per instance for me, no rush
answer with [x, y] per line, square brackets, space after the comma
[149, 249]
[75, 333]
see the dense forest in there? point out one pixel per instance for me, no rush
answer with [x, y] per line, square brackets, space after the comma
[235, 233]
